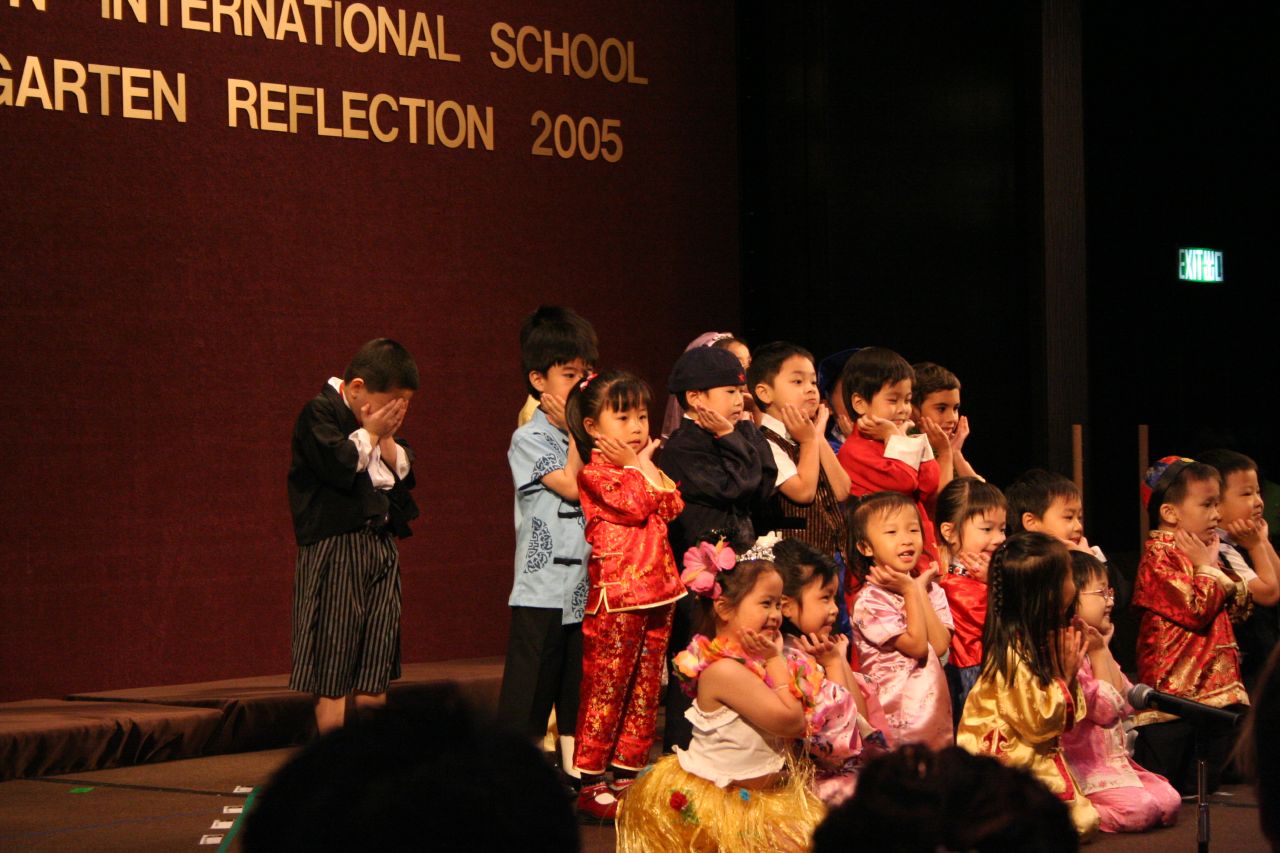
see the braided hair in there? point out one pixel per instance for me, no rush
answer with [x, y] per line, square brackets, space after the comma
[1025, 605]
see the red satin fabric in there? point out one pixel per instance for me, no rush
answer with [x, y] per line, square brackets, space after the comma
[631, 562]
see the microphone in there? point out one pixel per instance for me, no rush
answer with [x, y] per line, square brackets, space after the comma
[1144, 696]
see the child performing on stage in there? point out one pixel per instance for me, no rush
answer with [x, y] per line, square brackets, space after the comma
[349, 488]
[627, 502]
[736, 788]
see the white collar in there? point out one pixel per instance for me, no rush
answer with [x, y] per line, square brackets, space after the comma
[768, 421]
[336, 384]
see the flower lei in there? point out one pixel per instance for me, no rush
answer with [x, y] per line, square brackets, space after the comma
[805, 678]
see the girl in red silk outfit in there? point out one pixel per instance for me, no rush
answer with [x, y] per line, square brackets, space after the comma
[970, 519]
[627, 502]
[1185, 602]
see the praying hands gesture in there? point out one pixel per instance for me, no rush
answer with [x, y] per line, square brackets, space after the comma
[1069, 650]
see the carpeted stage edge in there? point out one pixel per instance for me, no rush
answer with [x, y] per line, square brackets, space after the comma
[116, 728]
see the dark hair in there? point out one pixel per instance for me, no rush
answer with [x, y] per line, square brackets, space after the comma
[1035, 491]
[384, 365]
[870, 506]
[553, 335]
[768, 360]
[799, 563]
[1175, 489]
[728, 341]
[868, 370]
[735, 585]
[1227, 462]
[436, 763]
[1025, 609]
[962, 499]
[929, 378]
[914, 800]
[1085, 566]
[616, 390]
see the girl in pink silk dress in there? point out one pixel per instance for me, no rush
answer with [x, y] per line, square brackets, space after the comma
[1127, 797]
[845, 719]
[901, 622]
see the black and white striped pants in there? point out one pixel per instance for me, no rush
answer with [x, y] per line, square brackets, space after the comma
[346, 615]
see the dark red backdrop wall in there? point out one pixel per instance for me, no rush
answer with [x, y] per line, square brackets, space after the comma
[172, 294]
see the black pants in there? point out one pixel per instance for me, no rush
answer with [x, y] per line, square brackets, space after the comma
[1170, 750]
[676, 730]
[543, 669]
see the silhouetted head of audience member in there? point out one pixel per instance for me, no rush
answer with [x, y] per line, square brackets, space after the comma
[1259, 752]
[434, 775]
[915, 800]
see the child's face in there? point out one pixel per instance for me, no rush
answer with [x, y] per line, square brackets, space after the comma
[1094, 603]
[631, 427]
[560, 378]
[1241, 498]
[358, 396]
[741, 353]
[892, 402]
[1064, 520]
[795, 384]
[725, 401]
[894, 539]
[815, 611]
[983, 533]
[943, 407]
[760, 610]
[1197, 512]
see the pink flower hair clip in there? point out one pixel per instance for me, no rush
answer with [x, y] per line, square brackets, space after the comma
[582, 386]
[702, 563]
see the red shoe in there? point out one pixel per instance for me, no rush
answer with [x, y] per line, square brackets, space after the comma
[598, 802]
[620, 785]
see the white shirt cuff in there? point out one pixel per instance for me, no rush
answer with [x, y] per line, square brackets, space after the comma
[906, 448]
[364, 444]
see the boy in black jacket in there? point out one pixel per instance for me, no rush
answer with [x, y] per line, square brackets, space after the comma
[726, 474]
[349, 485]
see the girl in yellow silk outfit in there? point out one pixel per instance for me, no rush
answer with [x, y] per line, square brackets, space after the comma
[1026, 695]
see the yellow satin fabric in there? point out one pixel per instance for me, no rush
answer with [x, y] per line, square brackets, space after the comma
[1021, 723]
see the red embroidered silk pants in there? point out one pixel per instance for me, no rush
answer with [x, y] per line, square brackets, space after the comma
[623, 654]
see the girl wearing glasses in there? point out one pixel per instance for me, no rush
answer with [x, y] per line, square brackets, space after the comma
[1127, 797]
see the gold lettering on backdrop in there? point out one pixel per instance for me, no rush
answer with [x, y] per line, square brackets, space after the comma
[38, 4]
[281, 108]
[359, 26]
[140, 93]
[568, 54]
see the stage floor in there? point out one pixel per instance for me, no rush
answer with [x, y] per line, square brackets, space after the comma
[174, 805]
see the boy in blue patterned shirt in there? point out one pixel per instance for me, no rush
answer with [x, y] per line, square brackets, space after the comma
[544, 652]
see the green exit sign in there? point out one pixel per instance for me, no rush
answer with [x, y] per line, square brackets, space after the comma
[1200, 265]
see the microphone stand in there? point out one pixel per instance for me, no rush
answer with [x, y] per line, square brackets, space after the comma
[1202, 791]
[1202, 719]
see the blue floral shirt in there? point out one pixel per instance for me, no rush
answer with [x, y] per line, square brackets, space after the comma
[551, 549]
